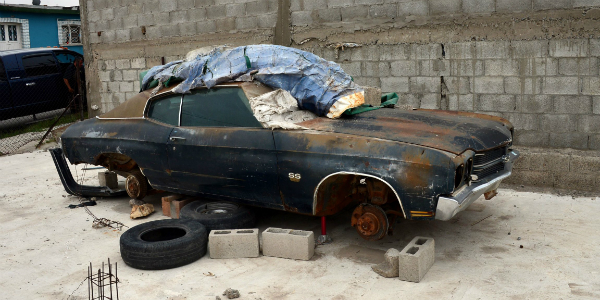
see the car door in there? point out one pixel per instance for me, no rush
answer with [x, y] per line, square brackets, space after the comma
[38, 90]
[221, 149]
[6, 99]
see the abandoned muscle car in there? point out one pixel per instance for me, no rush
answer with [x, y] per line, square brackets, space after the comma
[416, 164]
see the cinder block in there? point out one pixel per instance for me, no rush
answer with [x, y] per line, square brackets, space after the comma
[488, 85]
[569, 48]
[233, 243]
[478, 6]
[394, 84]
[389, 267]
[574, 140]
[354, 12]
[405, 67]
[497, 103]
[108, 179]
[459, 67]
[523, 121]
[558, 123]
[246, 23]
[430, 101]
[414, 8]
[416, 258]
[425, 84]
[444, 7]
[523, 85]
[551, 4]
[330, 15]
[504, 6]
[372, 95]
[590, 85]
[383, 11]
[301, 18]
[288, 243]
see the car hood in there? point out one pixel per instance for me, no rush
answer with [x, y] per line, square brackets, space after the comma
[445, 130]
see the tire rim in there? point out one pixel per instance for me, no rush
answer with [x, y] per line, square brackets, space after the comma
[217, 208]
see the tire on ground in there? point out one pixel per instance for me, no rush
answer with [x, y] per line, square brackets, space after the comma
[163, 244]
[219, 215]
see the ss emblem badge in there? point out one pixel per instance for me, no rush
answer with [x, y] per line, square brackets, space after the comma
[294, 177]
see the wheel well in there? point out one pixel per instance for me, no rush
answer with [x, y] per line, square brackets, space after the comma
[339, 190]
[117, 162]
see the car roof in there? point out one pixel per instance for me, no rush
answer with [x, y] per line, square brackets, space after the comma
[33, 51]
[134, 107]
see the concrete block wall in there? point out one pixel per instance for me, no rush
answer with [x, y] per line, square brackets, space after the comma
[499, 57]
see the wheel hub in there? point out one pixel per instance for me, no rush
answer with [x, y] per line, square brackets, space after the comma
[132, 186]
[370, 222]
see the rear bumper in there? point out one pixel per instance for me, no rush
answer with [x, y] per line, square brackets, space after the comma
[448, 207]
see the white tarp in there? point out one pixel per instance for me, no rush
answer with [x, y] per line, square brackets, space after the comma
[278, 109]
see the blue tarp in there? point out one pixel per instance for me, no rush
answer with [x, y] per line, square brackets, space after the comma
[315, 83]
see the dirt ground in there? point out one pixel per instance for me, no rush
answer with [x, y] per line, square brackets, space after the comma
[45, 249]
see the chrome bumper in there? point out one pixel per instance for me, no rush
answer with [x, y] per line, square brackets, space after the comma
[448, 207]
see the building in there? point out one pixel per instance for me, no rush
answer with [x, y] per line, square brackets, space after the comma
[32, 26]
[534, 62]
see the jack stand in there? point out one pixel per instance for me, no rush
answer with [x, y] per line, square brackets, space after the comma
[324, 239]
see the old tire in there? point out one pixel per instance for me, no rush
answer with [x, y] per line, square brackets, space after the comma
[136, 186]
[163, 244]
[219, 215]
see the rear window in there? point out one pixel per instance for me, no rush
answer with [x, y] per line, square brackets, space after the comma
[2, 72]
[38, 65]
[165, 110]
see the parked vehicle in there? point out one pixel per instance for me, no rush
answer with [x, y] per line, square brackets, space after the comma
[31, 81]
[416, 164]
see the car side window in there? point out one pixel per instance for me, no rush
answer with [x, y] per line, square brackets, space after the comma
[64, 60]
[217, 107]
[37, 65]
[165, 110]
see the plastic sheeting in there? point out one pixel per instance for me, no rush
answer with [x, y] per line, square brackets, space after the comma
[278, 109]
[318, 85]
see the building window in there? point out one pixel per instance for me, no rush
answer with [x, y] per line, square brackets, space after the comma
[69, 32]
[12, 33]
[2, 33]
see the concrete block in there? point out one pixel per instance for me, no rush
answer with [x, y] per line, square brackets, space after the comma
[130, 21]
[107, 14]
[246, 23]
[498, 103]
[115, 24]
[315, 4]
[389, 267]
[535, 103]
[464, 50]
[458, 85]
[394, 52]
[130, 75]
[501, 67]
[197, 14]
[573, 104]
[427, 51]
[425, 84]
[586, 3]
[595, 144]
[478, 6]
[405, 67]
[551, 4]
[235, 10]
[267, 21]
[443, 7]
[372, 95]
[329, 15]
[523, 121]
[288, 243]
[340, 3]
[167, 6]
[434, 67]
[233, 243]
[257, 8]
[530, 178]
[151, 6]
[574, 140]
[490, 50]
[504, 6]
[590, 85]
[394, 84]
[411, 100]
[216, 12]
[206, 26]
[532, 138]
[169, 30]
[579, 163]
[199, 3]
[352, 68]
[589, 124]
[596, 105]
[367, 81]
[413, 8]
[302, 18]
[578, 66]
[430, 101]
[416, 258]
[569, 48]
[459, 67]
[384, 69]
[561, 85]
[576, 181]
[180, 16]
[354, 12]
[108, 179]
[529, 49]
[187, 29]
[488, 85]
[388, 11]
[460, 102]
[523, 85]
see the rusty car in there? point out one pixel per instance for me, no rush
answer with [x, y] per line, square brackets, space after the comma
[389, 163]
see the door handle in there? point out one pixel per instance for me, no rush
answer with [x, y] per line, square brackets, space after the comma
[30, 84]
[176, 138]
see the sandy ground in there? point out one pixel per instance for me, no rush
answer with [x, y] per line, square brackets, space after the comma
[45, 249]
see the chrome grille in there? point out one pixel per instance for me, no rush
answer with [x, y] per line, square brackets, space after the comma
[488, 163]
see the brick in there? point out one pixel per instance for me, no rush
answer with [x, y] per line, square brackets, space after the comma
[389, 267]
[233, 243]
[535, 103]
[460, 102]
[551, 4]
[569, 48]
[394, 84]
[589, 124]
[458, 85]
[425, 84]
[573, 104]
[108, 179]
[532, 138]
[206, 26]
[590, 85]
[329, 15]
[478, 6]
[414, 8]
[354, 12]
[416, 258]
[496, 49]
[246, 23]
[302, 18]
[499, 103]
[523, 85]
[340, 3]
[561, 85]
[166, 204]
[404, 68]
[383, 11]
[503, 6]
[466, 67]
[288, 243]
[488, 85]
[443, 7]
[434, 67]
[575, 140]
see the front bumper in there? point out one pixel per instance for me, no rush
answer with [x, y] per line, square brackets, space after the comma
[448, 207]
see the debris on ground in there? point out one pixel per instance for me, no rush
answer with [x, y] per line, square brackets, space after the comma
[82, 204]
[134, 202]
[389, 267]
[138, 211]
[231, 293]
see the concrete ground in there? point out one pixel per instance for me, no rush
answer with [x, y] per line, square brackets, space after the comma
[45, 249]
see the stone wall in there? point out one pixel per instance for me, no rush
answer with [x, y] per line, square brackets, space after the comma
[534, 62]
